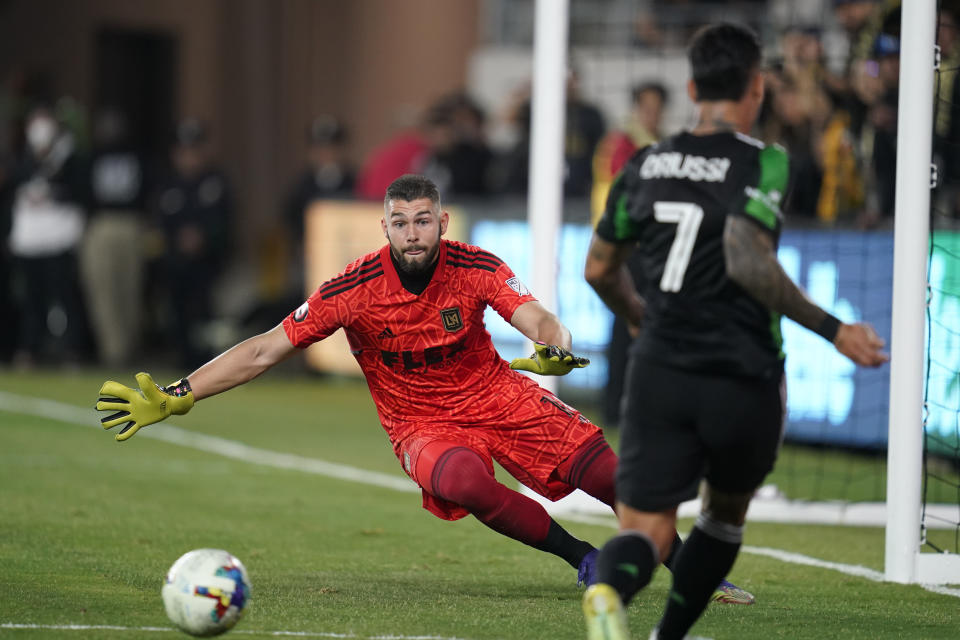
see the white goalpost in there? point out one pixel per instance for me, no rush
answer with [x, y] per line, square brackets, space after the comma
[548, 112]
[903, 561]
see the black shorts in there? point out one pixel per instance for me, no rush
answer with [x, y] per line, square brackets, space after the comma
[681, 426]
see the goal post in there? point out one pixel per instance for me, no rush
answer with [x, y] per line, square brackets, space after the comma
[548, 111]
[903, 561]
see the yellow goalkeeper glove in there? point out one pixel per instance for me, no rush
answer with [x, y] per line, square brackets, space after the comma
[549, 360]
[138, 408]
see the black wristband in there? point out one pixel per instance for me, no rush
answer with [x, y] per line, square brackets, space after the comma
[179, 388]
[828, 328]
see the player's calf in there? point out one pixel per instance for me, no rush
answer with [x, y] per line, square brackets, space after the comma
[460, 475]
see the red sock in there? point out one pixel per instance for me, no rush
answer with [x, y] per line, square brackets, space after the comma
[460, 475]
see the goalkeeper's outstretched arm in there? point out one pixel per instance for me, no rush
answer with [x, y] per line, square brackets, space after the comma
[136, 408]
[241, 363]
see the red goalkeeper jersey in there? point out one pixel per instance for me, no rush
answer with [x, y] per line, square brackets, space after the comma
[427, 358]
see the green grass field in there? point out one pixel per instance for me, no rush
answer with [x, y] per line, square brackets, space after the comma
[89, 526]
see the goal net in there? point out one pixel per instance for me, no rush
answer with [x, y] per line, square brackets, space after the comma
[941, 416]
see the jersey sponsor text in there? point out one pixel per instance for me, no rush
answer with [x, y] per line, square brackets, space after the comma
[420, 358]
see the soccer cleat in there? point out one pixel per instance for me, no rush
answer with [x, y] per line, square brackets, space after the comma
[587, 573]
[604, 614]
[729, 593]
[655, 636]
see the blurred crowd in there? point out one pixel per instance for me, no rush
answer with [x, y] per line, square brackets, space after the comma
[836, 114]
[105, 249]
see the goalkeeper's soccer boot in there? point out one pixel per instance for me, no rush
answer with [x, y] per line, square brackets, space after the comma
[587, 574]
[604, 614]
[729, 593]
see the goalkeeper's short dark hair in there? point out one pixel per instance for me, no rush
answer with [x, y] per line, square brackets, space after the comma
[412, 187]
[723, 58]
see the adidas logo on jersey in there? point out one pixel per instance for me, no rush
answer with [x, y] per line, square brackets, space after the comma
[386, 333]
[770, 200]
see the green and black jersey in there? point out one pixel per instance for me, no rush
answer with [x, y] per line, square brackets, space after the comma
[672, 199]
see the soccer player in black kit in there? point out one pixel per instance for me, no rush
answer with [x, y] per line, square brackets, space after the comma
[705, 385]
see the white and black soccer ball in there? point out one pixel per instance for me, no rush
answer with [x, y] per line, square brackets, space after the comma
[206, 591]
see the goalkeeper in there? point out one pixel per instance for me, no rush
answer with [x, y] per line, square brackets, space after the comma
[413, 315]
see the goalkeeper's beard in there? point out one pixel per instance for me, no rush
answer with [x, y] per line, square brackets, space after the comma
[416, 265]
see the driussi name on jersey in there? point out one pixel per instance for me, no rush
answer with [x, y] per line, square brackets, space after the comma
[673, 164]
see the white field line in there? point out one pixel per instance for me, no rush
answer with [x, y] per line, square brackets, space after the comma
[783, 556]
[249, 632]
[166, 432]
[853, 570]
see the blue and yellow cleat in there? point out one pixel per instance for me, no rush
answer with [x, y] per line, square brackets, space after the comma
[729, 593]
[604, 614]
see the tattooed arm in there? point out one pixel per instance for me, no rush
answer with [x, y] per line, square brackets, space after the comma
[752, 263]
[606, 271]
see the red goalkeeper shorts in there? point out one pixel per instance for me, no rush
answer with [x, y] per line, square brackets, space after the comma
[539, 433]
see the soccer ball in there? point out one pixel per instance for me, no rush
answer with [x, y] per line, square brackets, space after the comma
[206, 591]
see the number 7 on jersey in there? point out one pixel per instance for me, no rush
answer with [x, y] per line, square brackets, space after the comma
[687, 216]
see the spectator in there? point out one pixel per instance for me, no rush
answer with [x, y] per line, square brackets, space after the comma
[642, 128]
[647, 102]
[880, 132]
[798, 109]
[584, 129]
[854, 16]
[439, 135]
[875, 83]
[48, 208]
[112, 254]
[459, 159]
[406, 152]
[799, 131]
[194, 208]
[328, 174]
[847, 149]
[448, 145]
[647, 33]
[862, 21]
[469, 119]
[842, 185]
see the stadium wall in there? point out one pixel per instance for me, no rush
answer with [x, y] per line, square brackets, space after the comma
[260, 70]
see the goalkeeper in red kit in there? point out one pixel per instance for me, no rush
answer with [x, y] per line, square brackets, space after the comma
[413, 316]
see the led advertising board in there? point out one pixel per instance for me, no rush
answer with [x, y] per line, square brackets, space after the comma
[849, 273]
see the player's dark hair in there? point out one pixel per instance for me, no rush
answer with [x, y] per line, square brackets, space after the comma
[723, 58]
[412, 187]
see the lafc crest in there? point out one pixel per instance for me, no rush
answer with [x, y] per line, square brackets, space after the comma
[452, 320]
